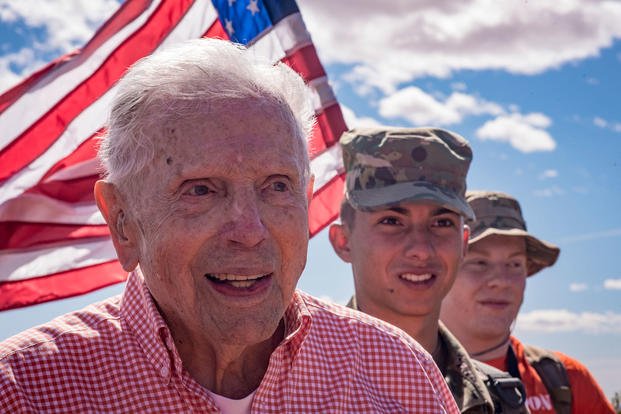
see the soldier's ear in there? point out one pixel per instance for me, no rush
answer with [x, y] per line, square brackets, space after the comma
[122, 230]
[339, 238]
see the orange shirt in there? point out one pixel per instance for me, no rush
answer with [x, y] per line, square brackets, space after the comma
[587, 396]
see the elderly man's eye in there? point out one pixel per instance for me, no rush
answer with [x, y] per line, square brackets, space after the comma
[198, 190]
[280, 186]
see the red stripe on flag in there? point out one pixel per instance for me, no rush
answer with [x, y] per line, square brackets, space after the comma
[64, 187]
[325, 205]
[306, 62]
[60, 285]
[21, 235]
[326, 131]
[216, 31]
[71, 191]
[125, 14]
[40, 135]
[87, 150]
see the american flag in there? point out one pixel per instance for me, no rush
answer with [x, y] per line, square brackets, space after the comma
[53, 241]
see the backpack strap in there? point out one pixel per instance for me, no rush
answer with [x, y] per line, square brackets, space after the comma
[506, 391]
[554, 376]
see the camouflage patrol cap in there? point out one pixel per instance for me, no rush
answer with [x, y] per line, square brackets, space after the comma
[499, 213]
[386, 166]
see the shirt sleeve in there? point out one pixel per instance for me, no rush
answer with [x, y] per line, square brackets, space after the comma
[439, 384]
[587, 396]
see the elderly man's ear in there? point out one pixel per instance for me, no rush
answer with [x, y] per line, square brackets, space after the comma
[123, 231]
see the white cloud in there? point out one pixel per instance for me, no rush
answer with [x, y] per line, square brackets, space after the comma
[68, 23]
[600, 122]
[526, 133]
[24, 59]
[548, 174]
[421, 108]
[354, 121]
[549, 192]
[578, 287]
[459, 86]
[397, 42]
[562, 320]
[65, 24]
[612, 284]
[591, 236]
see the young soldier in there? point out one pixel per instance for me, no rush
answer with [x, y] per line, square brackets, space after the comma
[486, 298]
[403, 232]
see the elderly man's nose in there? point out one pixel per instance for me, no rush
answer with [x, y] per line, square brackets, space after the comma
[245, 225]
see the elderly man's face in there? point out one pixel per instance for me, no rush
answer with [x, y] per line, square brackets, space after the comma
[223, 221]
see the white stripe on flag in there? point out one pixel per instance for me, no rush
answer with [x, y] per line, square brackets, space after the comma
[326, 166]
[42, 262]
[39, 208]
[93, 117]
[321, 93]
[286, 36]
[78, 170]
[46, 94]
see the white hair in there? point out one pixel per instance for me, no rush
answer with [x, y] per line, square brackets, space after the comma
[176, 81]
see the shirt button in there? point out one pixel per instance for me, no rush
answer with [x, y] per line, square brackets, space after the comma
[164, 372]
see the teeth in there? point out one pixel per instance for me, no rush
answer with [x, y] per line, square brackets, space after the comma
[227, 277]
[416, 278]
[242, 284]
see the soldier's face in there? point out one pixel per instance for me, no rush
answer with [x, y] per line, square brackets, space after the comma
[404, 259]
[488, 291]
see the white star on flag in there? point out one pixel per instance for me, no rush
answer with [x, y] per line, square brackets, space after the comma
[229, 27]
[253, 7]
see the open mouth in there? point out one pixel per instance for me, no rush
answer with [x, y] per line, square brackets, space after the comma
[416, 278]
[237, 281]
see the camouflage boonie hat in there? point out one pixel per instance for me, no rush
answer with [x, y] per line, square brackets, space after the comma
[386, 166]
[499, 213]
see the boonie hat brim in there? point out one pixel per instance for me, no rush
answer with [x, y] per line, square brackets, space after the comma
[540, 254]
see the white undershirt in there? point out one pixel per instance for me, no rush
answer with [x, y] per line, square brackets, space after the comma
[230, 406]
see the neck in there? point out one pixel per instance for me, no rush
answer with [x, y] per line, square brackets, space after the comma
[493, 351]
[424, 328]
[232, 371]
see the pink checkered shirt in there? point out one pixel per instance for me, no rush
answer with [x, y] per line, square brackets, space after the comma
[119, 356]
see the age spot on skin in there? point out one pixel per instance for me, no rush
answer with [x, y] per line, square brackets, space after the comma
[169, 160]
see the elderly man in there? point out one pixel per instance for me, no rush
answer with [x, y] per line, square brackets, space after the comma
[486, 298]
[206, 197]
[403, 232]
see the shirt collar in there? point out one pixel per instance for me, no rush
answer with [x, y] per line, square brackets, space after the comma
[141, 317]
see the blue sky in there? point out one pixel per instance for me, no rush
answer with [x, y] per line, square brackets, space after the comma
[534, 88]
